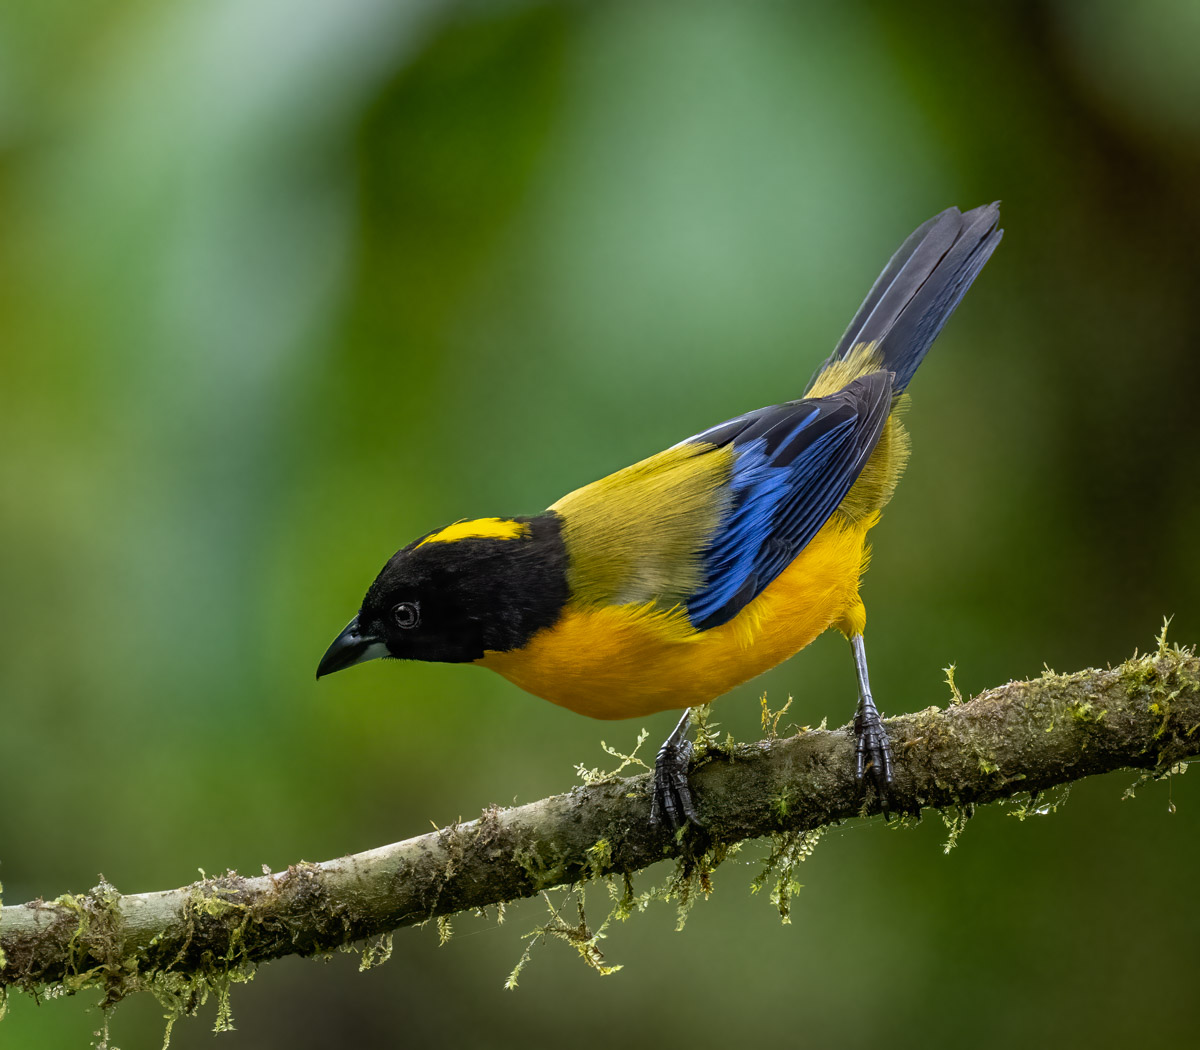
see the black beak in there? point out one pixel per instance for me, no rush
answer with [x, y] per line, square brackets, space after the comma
[350, 648]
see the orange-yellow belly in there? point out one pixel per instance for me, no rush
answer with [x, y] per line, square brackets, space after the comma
[621, 661]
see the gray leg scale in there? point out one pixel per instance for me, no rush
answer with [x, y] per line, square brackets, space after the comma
[871, 739]
[672, 804]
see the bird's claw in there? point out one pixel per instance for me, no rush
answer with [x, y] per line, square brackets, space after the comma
[872, 749]
[672, 804]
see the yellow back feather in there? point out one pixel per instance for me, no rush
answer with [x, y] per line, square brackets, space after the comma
[636, 535]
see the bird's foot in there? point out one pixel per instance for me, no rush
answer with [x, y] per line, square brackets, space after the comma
[672, 805]
[873, 750]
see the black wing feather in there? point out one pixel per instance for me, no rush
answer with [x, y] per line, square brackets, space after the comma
[919, 288]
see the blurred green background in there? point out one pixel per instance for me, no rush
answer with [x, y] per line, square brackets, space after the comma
[285, 283]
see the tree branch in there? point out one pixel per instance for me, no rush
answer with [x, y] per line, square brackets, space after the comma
[1021, 737]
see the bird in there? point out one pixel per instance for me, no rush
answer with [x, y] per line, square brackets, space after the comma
[667, 583]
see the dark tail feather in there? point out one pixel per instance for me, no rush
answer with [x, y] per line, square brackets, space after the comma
[920, 287]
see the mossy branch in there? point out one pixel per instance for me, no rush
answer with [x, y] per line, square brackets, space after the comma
[1021, 737]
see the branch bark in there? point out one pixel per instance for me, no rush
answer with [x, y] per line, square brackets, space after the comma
[1020, 737]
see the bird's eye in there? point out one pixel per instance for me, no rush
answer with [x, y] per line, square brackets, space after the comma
[407, 615]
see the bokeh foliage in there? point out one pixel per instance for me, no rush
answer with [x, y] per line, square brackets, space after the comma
[284, 284]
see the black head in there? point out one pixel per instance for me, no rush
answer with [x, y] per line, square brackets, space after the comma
[454, 594]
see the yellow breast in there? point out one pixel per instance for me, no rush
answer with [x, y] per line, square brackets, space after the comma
[622, 661]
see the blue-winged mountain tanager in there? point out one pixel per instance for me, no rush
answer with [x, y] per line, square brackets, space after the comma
[666, 584]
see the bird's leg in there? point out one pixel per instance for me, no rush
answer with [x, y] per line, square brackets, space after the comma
[672, 803]
[871, 739]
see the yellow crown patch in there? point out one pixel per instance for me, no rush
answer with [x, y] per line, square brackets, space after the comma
[481, 528]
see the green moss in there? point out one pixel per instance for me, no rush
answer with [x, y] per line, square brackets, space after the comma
[597, 776]
[1155, 681]
[956, 696]
[955, 820]
[770, 719]
[788, 851]
[97, 956]
[579, 935]
[625, 900]
[182, 995]
[1085, 711]
[543, 872]
[1161, 640]
[373, 952]
[599, 858]
[691, 880]
[215, 973]
[96, 936]
[781, 804]
[705, 732]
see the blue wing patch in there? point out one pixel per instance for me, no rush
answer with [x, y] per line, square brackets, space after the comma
[793, 465]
